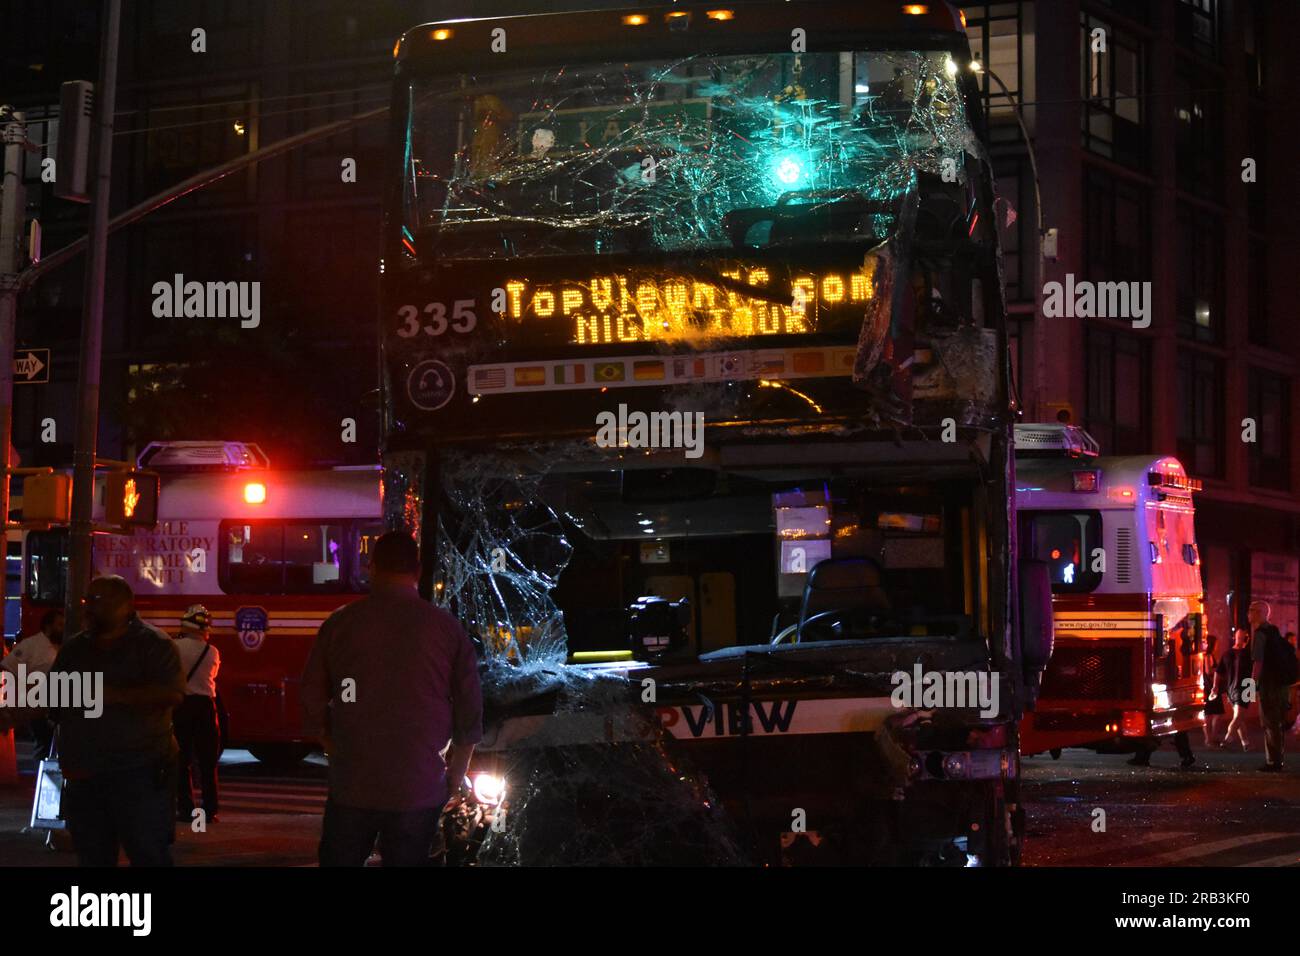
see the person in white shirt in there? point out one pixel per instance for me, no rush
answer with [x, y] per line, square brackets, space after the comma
[197, 733]
[37, 651]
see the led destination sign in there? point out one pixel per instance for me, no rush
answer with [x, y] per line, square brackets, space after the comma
[622, 308]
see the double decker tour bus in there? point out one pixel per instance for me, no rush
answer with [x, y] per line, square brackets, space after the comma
[1118, 534]
[269, 552]
[696, 378]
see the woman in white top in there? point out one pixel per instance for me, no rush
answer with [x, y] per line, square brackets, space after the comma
[36, 653]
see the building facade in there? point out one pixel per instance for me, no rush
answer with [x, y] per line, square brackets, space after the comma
[1144, 116]
[1162, 132]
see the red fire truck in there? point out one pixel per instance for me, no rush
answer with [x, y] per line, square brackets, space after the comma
[1118, 536]
[270, 553]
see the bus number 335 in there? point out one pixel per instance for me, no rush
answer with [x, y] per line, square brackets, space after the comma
[462, 318]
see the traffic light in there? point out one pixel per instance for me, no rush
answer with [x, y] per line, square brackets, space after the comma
[72, 154]
[131, 498]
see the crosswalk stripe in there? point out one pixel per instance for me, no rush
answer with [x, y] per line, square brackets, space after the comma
[253, 807]
[1125, 843]
[1218, 846]
[304, 786]
[1286, 859]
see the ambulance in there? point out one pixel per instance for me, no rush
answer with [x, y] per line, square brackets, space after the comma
[1118, 535]
[271, 554]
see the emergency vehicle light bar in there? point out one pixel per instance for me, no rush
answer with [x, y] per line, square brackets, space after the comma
[1159, 479]
[202, 456]
[1044, 440]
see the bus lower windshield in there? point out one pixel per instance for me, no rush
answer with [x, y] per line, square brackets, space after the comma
[701, 153]
[560, 557]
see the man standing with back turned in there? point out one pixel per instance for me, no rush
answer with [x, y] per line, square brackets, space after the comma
[120, 765]
[390, 680]
[1274, 672]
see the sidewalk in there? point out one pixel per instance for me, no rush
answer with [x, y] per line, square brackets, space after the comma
[239, 839]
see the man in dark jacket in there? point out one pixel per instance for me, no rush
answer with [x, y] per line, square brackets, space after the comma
[391, 680]
[1273, 680]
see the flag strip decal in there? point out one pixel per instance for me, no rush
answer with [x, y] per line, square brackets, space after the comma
[645, 370]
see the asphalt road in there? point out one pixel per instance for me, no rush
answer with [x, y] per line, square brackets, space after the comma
[1221, 812]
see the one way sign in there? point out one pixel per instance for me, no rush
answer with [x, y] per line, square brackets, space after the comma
[32, 367]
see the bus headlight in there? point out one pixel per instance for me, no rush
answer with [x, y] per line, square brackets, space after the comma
[488, 788]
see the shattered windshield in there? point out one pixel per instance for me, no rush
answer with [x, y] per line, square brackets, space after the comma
[539, 556]
[704, 153]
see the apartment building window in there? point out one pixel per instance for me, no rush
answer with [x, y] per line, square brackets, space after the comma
[1200, 275]
[1199, 131]
[1135, 10]
[1200, 413]
[1116, 240]
[1117, 393]
[1269, 405]
[205, 249]
[1257, 192]
[1253, 33]
[324, 96]
[1268, 402]
[1016, 192]
[1001, 37]
[164, 34]
[325, 30]
[186, 137]
[1196, 26]
[1113, 85]
[1257, 294]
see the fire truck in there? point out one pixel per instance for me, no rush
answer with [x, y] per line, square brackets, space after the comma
[1118, 536]
[270, 553]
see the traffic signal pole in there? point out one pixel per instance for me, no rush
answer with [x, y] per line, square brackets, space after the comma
[92, 325]
[11, 226]
[12, 214]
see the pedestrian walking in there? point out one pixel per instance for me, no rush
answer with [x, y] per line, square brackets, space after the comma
[390, 682]
[1230, 677]
[198, 735]
[1212, 692]
[36, 653]
[118, 765]
[1274, 668]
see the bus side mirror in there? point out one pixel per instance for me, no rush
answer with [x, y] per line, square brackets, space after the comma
[1035, 589]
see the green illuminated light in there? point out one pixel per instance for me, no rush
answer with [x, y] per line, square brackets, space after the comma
[789, 171]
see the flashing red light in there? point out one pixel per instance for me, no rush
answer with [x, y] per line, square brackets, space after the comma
[1133, 724]
[1084, 480]
[255, 493]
